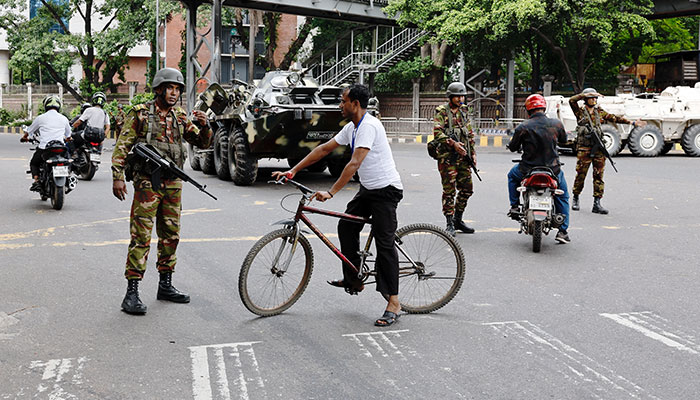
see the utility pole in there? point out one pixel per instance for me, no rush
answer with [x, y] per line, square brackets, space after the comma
[157, 29]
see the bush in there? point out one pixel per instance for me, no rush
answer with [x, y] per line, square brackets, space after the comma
[7, 117]
[400, 77]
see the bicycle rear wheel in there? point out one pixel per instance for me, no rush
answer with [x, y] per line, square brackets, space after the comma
[275, 273]
[439, 270]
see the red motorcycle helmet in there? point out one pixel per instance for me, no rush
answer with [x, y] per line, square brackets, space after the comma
[535, 101]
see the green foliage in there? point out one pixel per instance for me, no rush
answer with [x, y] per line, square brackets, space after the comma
[140, 98]
[7, 116]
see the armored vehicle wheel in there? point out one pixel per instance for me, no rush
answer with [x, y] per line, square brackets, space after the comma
[194, 158]
[646, 141]
[611, 138]
[668, 146]
[207, 163]
[242, 165]
[690, 142]
[221, 163]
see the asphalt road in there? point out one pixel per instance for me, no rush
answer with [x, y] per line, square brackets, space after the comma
[613, 315]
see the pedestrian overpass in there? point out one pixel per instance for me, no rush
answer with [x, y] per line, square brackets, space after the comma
[363, 11]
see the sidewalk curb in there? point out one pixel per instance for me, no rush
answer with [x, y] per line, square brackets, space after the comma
[11, 129]
[481, 140]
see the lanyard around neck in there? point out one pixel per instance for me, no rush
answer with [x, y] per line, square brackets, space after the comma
[354, 133]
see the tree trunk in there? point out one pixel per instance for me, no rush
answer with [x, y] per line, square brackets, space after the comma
[270, 20]
[296, 45]
[535, 55]
[437, 53]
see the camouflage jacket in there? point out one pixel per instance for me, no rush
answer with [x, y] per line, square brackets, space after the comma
[174, 127]
[461, 129]
[583, 139]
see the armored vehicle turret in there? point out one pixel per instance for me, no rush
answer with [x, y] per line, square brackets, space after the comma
[285, 115]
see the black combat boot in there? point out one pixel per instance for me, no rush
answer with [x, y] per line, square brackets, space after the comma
[132, 303]
[459, 224]
[597, 208]
[450, 228]
[166, 290]
[574, 205]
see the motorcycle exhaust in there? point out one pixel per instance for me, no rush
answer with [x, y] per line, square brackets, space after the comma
[71, 184]
[557, 220]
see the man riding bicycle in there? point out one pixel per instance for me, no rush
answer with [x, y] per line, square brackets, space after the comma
[380, 192]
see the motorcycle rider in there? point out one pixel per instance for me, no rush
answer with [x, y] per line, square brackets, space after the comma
[95, 117]
[585, 154]
[51, 125]
[538, 137]
[452, 129]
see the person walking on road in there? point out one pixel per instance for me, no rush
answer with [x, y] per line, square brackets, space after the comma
[164, 126]
[538, 137]
[380, 192]
[586, 152]
[452, 130]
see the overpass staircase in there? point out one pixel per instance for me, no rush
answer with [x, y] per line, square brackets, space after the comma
[354, 65]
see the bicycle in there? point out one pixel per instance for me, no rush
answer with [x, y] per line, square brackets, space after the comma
[276, 272]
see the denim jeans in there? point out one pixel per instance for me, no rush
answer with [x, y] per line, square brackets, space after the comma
[561, 203]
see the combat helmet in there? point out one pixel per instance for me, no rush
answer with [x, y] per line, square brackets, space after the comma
[99, 99]
[456, 89]
[168, 75]
[52, 101]
[589, 92]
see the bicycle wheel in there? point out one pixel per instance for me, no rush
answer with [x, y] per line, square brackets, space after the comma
[274, 274]
[439, 270]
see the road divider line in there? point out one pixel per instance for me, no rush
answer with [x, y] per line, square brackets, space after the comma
[642, 322]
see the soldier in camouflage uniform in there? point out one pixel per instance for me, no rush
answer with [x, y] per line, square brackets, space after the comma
[587, 153]
[452, 130]
[164, 126]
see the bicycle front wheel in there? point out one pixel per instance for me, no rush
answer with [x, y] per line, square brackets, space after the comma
[275, 272]
[431, 268]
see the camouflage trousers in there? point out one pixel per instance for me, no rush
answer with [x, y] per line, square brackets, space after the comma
[456, 180]
[584, 161]
[165, 206]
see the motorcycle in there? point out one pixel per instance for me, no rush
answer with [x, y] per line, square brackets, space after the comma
[55, 178]
[87, 154]
[537, 215]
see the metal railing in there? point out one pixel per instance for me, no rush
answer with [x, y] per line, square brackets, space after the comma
[355, 62]
[424, 126]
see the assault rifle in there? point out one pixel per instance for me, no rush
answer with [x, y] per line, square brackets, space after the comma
[160, 164]
[597, 134]
[467, 157]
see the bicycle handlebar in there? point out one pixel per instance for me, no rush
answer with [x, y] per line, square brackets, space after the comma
[296, 184]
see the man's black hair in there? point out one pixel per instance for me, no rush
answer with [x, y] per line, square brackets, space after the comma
[360, 93]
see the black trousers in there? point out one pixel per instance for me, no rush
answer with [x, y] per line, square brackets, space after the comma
[36, 161]
[380, 204]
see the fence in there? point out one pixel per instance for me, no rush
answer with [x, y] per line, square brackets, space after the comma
[424, 126]
[37, 89]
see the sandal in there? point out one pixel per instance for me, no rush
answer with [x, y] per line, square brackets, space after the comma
[349, 289]
[388, 319]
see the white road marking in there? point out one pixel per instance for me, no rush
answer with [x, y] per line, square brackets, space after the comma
[55, 373]
[376, 343]
[655, 327]
[598, 380]
[243, 358]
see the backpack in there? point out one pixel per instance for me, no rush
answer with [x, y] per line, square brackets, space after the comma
[433, 148]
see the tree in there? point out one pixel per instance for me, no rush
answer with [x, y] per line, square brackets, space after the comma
[46, 41]
[577, 32]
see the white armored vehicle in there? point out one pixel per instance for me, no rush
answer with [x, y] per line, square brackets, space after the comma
[672, 116]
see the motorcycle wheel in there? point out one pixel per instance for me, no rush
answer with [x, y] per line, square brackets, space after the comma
[88, 172]
[57, 197]
[537, 236]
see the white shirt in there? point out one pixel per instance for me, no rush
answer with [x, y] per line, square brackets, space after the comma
[377, 169]
[95, 117]
[49, 126]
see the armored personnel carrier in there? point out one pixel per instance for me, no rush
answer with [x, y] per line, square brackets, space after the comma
[672, 116]
[285, 115]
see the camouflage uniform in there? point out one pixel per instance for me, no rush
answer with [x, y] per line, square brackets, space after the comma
[455, 172]
[165, 203]
[118, 122]
[584, 145]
